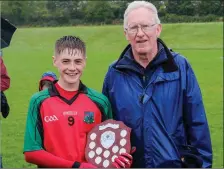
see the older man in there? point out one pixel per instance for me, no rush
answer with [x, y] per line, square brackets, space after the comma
[154, 91]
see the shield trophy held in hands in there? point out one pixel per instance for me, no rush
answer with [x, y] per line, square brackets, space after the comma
[106, 141]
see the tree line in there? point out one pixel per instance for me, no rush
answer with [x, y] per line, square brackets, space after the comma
[55, 13]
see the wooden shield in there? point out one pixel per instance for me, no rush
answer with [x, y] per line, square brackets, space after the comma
[106, 141]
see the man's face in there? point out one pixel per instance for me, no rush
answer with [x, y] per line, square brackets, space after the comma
[70, 65]
[143, 40]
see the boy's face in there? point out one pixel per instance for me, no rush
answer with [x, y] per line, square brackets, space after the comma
[70, 64]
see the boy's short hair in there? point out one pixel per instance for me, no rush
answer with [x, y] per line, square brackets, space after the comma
[70, 43]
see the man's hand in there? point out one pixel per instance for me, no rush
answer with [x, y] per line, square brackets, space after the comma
[124, 160]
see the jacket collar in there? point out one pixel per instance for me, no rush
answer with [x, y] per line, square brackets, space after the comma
[163, 57]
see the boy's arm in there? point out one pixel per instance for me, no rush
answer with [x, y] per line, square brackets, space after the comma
[44, 159]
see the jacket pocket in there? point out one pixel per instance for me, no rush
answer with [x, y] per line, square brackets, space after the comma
[165, 77]
[190, 156]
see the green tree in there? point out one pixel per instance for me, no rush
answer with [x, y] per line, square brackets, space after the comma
[181, 7]
[98, 12]
[210, 8]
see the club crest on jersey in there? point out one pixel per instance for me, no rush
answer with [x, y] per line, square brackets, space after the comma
[88, 117]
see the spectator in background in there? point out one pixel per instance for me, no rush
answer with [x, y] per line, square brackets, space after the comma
[5, 79]
[47, 80]
[5, 84]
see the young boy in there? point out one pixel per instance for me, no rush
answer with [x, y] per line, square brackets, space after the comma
[47, 80]
[56, 128]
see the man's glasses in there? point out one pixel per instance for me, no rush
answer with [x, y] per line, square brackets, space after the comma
[133, 29]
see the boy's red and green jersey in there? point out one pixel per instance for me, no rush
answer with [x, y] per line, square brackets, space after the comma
[60, 126]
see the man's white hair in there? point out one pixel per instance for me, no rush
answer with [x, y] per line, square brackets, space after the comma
[140, 4]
